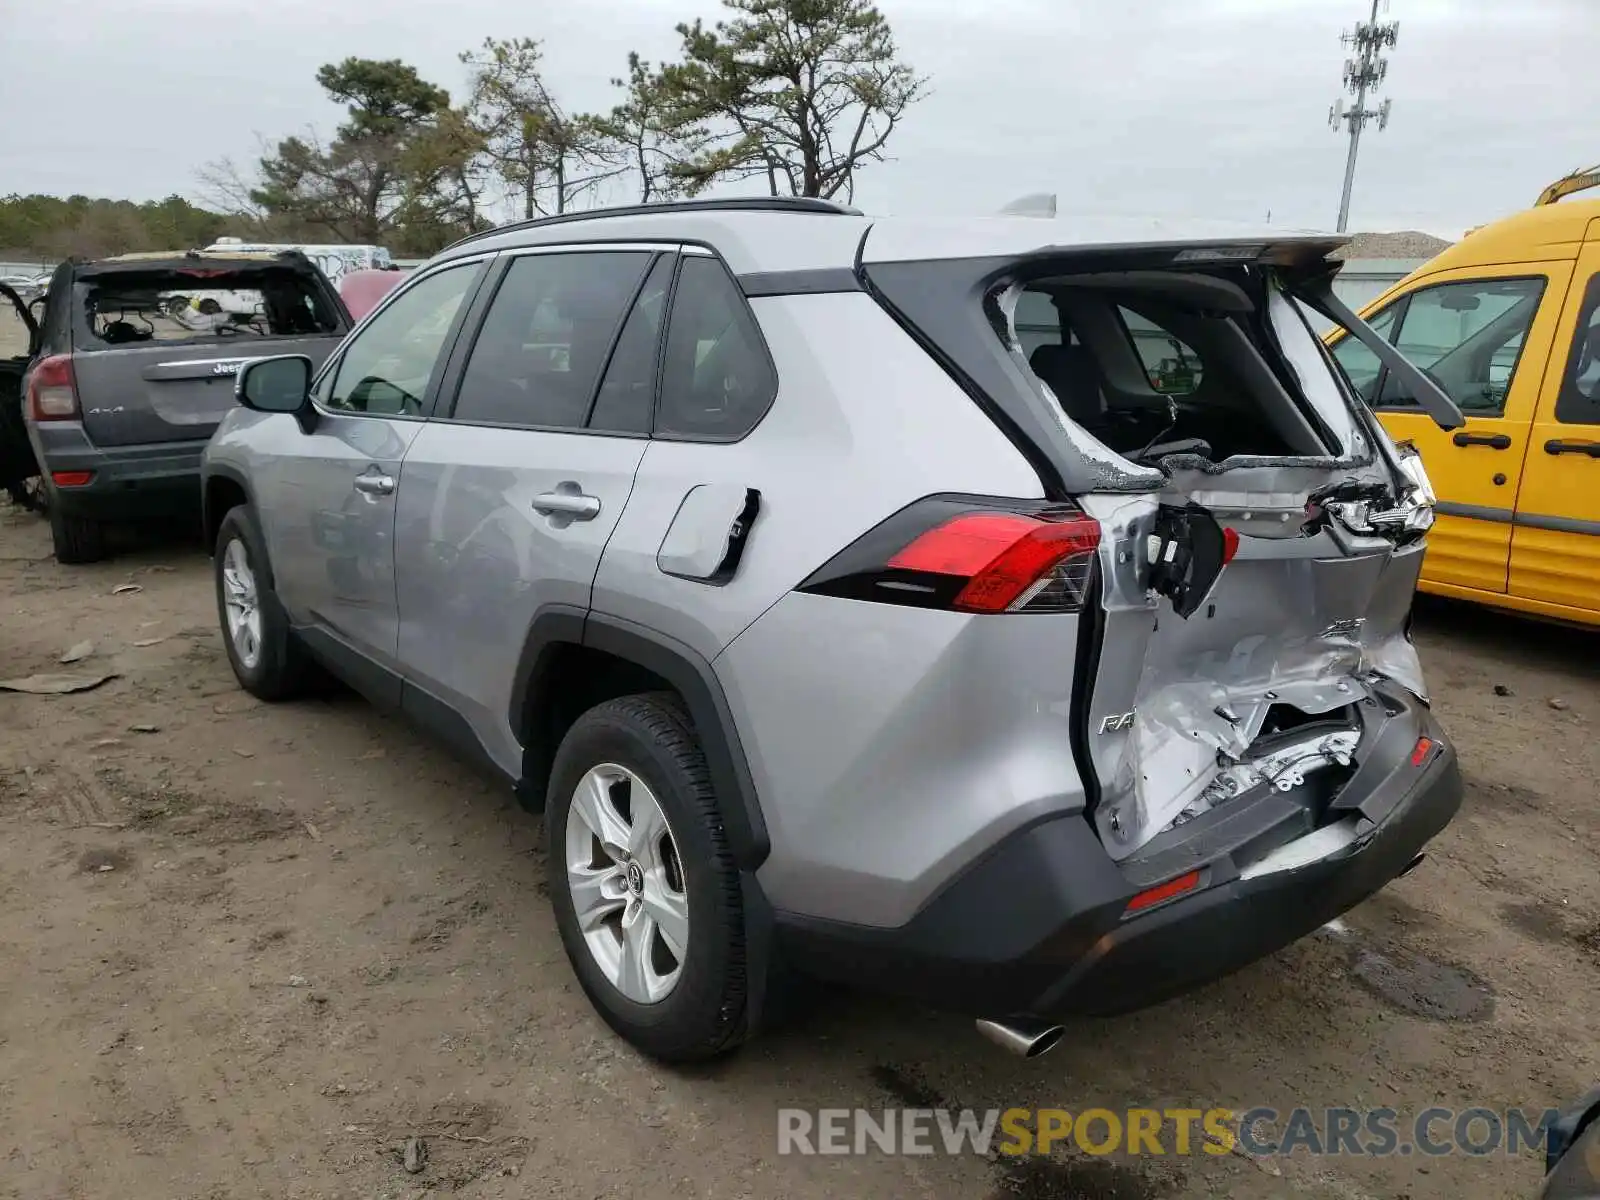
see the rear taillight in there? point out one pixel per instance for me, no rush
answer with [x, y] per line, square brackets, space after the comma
[52, 395]
[970, 555]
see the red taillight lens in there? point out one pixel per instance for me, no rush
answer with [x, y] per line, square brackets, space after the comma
[1420, 752]
[954, 552]
[1009, 560]
[965, 545]
[71, 478]
[52, 394]
[1230, 544]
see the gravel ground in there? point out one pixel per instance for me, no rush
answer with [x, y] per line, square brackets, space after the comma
[249, 951]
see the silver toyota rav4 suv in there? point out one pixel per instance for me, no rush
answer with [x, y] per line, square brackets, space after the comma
[1005, 614]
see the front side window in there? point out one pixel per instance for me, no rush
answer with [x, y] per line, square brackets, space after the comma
[546, 337]
[386, 369]
[717, 380]
[1579, 401]
[1468, 337]
[1361, 366]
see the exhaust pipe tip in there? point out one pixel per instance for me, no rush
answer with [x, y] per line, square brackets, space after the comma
[1412, 865]
[1021, 1036]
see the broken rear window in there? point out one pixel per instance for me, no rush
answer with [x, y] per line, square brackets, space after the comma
[127, 308]
[1156, 363]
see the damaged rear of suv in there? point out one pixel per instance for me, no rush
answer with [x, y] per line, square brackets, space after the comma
[1230, 544]
[1017, 627]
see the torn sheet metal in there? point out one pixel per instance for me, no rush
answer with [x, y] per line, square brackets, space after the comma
[1283, 769]
[1303, 620]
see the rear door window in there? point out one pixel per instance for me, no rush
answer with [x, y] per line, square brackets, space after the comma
[627, 392]
[545, 338]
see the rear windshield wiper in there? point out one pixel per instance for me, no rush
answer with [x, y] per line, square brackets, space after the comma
[1317, 291]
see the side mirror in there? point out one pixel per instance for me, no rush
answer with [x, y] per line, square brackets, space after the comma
[281, 384]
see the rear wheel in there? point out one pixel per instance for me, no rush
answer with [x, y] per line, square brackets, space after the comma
[645, 891]
[266, 659]
[77, 539]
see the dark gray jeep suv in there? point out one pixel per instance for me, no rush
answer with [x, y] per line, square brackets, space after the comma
[134, 368]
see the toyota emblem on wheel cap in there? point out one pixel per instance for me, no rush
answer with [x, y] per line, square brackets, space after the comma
[635, 878]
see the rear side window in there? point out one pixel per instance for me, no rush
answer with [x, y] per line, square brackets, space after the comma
[1468, 336]
[545, 338]
[717, 379]
[1579, 401]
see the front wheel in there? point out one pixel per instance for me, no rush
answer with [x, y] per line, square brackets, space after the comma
[266, 659]
[645, 891]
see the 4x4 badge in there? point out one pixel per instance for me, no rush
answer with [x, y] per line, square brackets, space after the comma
[1116, 721]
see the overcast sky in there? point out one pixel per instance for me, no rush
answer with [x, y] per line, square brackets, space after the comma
[1207, 108]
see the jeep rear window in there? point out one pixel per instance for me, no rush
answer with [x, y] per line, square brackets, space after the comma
[129, 308]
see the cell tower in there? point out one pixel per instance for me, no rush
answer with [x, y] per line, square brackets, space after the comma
[1363, 73]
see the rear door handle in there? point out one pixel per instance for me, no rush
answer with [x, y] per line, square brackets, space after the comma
[1557, 446]
[574, 504]
[1495, 441]
[374, 485]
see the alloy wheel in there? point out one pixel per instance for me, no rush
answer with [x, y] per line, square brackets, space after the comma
[241, 602]
[626, 882]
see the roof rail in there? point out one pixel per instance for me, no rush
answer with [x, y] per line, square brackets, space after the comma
[789, 204]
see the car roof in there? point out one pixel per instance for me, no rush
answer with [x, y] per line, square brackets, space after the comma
[750, 239]
[788, 234]
[1547, 232]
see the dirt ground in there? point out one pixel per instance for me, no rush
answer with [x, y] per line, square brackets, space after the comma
[248, 951]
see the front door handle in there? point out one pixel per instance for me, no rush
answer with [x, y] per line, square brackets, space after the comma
[1495, 441]
[574, 504]
[1557, 446]
[374, 485]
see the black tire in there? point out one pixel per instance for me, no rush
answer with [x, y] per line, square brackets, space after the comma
[652, 736]
[281, 670]
[77, 539]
